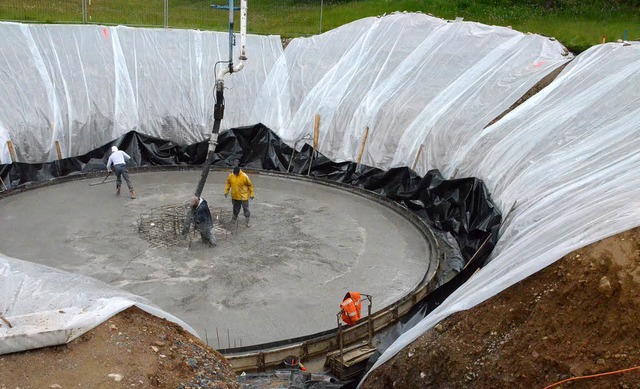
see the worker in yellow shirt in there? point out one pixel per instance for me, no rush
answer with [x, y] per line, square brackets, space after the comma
[241, 192]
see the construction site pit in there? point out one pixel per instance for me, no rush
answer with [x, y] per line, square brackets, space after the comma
[284, 277]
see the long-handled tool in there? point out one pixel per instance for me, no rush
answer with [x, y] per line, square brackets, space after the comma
[101, 182]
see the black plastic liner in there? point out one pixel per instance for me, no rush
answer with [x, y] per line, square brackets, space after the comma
[461, 207]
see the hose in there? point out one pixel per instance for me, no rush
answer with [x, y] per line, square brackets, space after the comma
[592, 376]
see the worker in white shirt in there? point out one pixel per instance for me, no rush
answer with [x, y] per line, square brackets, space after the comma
[118, 159]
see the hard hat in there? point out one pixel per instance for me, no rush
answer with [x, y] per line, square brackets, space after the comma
[114, 149]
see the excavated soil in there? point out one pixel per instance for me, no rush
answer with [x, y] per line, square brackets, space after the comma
[131, 350]
[578, 317]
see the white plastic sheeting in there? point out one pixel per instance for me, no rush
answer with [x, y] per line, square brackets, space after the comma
[42, 306]
[85, 86]
[410, 78]
[568, 159]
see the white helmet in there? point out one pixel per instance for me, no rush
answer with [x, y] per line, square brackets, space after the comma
[114, 149]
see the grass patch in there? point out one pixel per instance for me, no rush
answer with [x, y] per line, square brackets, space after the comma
[577, 24]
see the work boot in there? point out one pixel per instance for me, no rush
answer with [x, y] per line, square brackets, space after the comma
[118, 190]
[248, 223]
[132, 193]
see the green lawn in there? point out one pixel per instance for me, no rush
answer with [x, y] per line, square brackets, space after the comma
[576, 24]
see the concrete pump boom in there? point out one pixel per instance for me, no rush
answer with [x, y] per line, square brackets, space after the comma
[218, 112]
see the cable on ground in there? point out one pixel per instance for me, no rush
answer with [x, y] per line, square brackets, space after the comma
[592, 376]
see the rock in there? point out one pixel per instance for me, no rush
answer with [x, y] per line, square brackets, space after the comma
[605, 287]
[55, 386]
[438, 327]
[193, 363]
[160, 343]
[116, 377]
[154, 348]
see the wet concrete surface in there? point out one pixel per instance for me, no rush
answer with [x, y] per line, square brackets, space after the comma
[282, 278]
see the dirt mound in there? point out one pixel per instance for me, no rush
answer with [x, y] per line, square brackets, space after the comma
[131, 350]
[578, 317]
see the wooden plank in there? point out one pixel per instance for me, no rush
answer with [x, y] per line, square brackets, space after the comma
[58, 150]
[12, 152]
[415, 162]
[364, 141]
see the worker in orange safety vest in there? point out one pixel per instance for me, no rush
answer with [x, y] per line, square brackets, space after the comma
[351, 306]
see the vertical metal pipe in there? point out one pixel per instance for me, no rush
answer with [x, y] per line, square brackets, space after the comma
[340, 340]
[243, 31]
[218, 114]
[321, 6]
[230, 35]
[370, 322]
[166, 13]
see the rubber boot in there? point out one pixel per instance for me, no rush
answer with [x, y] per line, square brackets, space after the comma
[132, 193]
[248, 223]
[117, 190]
[234, 218]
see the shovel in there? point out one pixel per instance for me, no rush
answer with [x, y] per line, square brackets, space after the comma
[103, 181]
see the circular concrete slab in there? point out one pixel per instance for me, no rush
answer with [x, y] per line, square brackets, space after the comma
[282, 278]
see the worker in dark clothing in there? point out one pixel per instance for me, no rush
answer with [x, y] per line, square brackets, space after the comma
[200, 216]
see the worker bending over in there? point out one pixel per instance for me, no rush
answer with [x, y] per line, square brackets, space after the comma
[200, 216]
[118, 159]
[351, 307]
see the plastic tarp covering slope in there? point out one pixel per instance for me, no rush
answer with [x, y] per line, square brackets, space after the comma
[84, 86]
[33, 319]
[568, 159]
[410, 78]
